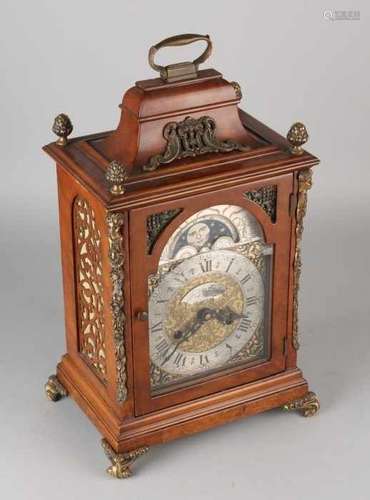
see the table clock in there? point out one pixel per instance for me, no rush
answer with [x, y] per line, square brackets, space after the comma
[180, 234]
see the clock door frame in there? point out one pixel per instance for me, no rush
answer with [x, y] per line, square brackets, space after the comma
[143, 264]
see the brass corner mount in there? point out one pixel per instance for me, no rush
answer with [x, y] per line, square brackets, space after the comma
[297, 136]
[62, 127]
[116, 176]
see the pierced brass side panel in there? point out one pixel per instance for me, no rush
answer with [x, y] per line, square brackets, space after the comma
[89, 287]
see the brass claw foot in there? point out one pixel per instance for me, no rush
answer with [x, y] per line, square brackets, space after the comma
[121, 462]
[54, 389]
[309, 405]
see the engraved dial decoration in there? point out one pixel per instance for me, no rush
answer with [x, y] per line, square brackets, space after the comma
[204, 311]
[208, 300]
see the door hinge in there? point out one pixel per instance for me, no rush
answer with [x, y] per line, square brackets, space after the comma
[285, 345]
[292, 204]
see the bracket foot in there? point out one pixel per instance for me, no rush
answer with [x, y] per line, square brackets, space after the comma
[309, 405]
[121, 462]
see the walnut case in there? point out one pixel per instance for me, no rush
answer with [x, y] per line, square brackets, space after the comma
[182, 144]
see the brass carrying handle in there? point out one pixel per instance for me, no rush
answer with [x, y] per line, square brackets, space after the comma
[183, 70]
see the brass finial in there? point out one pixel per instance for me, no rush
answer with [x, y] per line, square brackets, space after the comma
[116, 175]
[237, 89]
[297, 136]
[62, 127]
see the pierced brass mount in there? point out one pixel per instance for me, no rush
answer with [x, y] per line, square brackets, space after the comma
[189, 138]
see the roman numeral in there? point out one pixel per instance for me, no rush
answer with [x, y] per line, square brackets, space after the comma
[245, 324]
[206, 266]
[251, 301]
[179, 277]
[157, 327]
[180, 359]
[246, 278]
[203, 359]
[229, 265]
[162, 346]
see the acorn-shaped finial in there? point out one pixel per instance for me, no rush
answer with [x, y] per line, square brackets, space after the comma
[237, 89]
[62, 127]
[116, 175]
[297, 136]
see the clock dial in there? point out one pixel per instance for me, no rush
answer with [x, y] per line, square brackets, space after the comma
[220, 226]
[204, 312]
[208, 300]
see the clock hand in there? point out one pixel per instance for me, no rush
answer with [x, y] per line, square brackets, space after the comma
[228, 316]
[202, 316]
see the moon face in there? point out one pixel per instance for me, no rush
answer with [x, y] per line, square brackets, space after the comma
[198, 235]
[217, 227]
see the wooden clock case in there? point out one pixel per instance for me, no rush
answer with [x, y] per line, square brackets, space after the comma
[104, 213]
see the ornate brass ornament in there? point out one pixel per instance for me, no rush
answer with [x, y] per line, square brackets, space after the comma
[116, 175]
[309, 405]
[116, 258]
[62, 127]
[238, 90]
[265, 197]
[155, 224]
[54, 389]
[191, 137]
[89, 287]
[304, 184]
[121, 462]
[297, 136]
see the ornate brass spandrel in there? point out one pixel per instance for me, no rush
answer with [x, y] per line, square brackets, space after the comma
[304, 184]
[159, 377]
[189, 138]
[155, 224]
[121, 462]
[115, 223]
[54, 390]
[62, 127]
[297, 136]
[265, 197]
[252, 349]
[309, 405]
[116, 175]
[89, 284]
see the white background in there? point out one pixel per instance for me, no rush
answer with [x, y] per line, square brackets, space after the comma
[292, 64]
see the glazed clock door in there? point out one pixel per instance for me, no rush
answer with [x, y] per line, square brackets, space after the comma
[210, 292]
